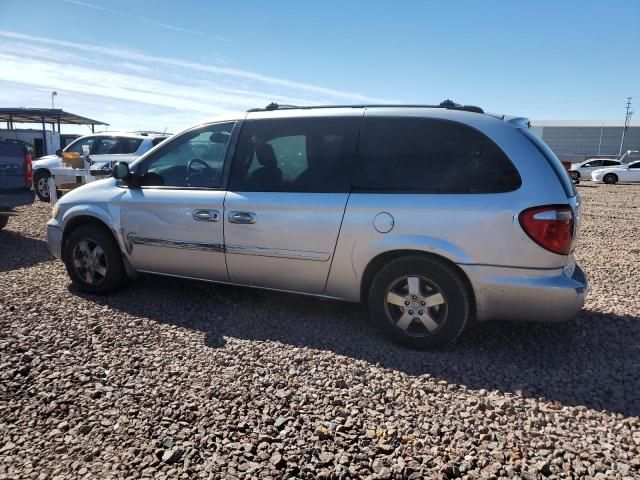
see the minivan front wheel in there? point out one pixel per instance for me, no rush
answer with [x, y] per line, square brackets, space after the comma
[419, 302]
[93, 260]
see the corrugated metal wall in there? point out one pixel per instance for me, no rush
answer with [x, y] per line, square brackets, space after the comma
[585, 140]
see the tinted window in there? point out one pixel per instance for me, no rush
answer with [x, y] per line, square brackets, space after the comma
[194, 159]
[609, 163]
[11, 149]
[128, 145]
[595, 163]
[295, 155]
[553, 161]
[105, 146]
[77, 145]
[635, 165]
[158, 140]
[430, 156]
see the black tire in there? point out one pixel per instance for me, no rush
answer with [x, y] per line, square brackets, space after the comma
[446, 321]
[610, 179]
[4, 219]
[574, 175]
[108, 270]
[40, 185]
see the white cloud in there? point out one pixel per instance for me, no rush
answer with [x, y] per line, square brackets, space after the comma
[198, 67]
[132, 90]
[145, 20]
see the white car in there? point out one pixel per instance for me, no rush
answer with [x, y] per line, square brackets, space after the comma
[624, 173]
[583, 170]
[110, 147]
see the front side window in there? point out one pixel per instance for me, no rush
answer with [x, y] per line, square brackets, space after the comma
[635, 165]
[194, 159]
[423, 155]
[295, 155]
[76, 147]
[610, 163]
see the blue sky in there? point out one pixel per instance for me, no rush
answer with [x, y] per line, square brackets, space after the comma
[167, 64]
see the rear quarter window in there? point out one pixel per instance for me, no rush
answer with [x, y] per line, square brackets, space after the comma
[553, 161]
[424, 155]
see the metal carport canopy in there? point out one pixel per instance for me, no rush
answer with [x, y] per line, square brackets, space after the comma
[46, 115]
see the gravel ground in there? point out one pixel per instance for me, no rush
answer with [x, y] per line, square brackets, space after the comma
[182, 379]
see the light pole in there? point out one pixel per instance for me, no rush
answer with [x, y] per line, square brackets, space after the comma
[627, 119]
[53, 94]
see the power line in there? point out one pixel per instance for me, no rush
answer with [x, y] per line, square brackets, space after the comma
[627, 120]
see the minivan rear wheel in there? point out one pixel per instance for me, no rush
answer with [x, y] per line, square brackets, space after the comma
[419, 302]
[93, 260]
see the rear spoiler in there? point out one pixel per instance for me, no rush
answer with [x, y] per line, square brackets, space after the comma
[518, 122]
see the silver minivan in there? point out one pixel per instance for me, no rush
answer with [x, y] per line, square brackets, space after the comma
[432, 216]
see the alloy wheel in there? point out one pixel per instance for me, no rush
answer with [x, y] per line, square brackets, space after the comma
[43, 186]
[415, 305]
[90, 262]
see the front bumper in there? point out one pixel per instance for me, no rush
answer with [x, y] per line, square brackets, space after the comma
[520, 294]
[54, 238]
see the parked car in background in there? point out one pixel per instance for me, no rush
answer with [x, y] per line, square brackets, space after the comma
[105, 150]
[629, 173]
[433, 216]
[16, 177]
[583, 170]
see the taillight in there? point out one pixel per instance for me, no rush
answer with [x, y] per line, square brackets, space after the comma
[28, 168]
[551, 227]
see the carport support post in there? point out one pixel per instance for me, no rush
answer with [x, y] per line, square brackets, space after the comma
[58, 124]
[93, 128]
[44, 136]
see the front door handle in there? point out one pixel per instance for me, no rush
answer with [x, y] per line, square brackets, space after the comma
[206, 215]
[242, 217]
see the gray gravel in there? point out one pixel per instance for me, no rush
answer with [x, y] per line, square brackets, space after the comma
[181, 379]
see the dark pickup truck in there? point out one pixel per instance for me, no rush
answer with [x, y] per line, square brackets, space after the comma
[16, 178]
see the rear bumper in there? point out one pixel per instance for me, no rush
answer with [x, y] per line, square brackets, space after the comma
[15, 198]
[526, 295]
[54, 238]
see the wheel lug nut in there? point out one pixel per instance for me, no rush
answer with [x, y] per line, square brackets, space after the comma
[410, 312]
[420, 312]
[422, 303]
[407, 303]
[414, 297]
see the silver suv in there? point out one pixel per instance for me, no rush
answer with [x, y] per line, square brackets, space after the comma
[432, 216]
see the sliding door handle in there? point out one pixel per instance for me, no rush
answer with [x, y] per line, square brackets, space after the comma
[242, 217]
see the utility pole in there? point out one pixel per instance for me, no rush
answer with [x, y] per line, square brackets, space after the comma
[627, 120]
[53, 94]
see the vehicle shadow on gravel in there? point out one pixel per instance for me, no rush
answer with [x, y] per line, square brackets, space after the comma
[18, 251]
[592, 360]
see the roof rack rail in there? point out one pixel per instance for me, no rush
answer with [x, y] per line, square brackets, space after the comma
[448, 104]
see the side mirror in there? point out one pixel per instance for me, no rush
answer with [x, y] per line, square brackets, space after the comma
[121, 171]
[59, 152]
